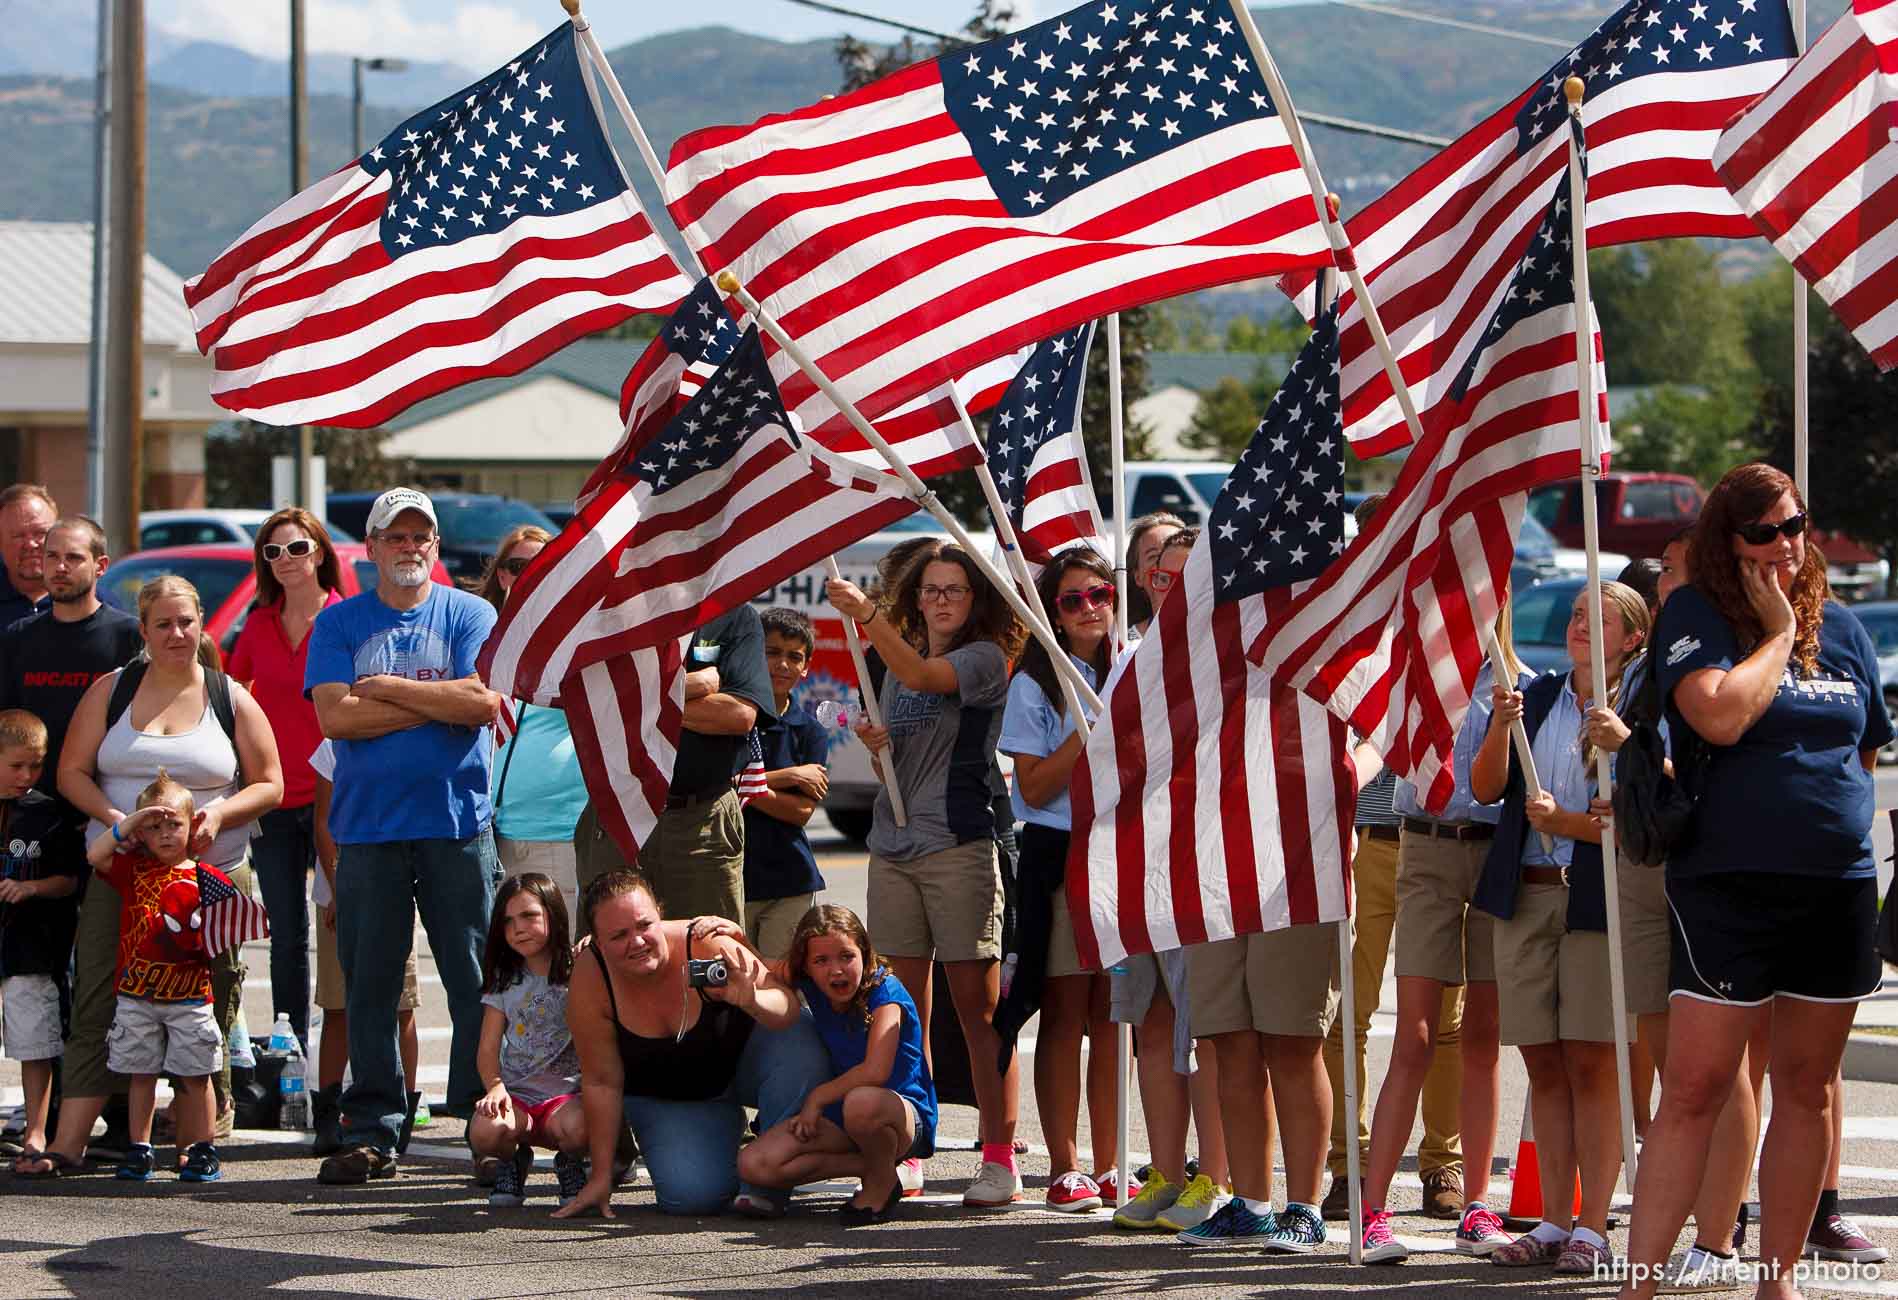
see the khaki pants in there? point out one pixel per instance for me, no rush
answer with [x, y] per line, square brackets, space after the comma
[770, 923]
[695, 858]
[227, 988]
[1374, 877]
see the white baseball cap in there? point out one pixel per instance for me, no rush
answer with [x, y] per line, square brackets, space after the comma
[394, 502]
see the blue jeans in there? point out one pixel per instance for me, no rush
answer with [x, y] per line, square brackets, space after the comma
[281, 856]
[379, 888]
[691, 1147]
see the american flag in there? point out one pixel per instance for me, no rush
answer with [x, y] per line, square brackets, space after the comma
[1663, 77]
[751, 782]
[1814, 164]
[720, 504]
[1035, 451]
[626, 713]
[484, 233]
[231, 917]
[1218, 800]
[1391, 638]
[969, 205]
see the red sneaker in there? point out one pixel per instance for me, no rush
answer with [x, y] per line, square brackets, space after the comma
[1074, 1193]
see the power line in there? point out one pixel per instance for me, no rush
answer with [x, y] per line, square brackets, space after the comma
[1392, 11]
[879, 18]
[1368, 128]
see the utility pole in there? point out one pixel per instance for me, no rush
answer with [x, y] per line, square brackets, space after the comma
[96, 385]
[123, 432]
[299, 181]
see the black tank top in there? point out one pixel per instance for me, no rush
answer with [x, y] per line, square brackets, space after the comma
[697, 1067]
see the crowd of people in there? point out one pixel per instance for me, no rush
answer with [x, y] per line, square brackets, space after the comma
[347, 763]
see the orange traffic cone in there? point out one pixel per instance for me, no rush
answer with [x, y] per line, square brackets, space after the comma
[1525, 1193]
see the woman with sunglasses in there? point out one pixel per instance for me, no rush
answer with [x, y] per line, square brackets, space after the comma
[1145, 540]
[935, 889]
[1774, 896]
[539, 793]
[1044, 741]
[298, 577]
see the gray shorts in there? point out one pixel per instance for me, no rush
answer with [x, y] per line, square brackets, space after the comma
[1131, 989]
[29, 1018]
[176, 1038]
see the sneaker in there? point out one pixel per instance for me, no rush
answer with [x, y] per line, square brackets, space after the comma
[1337, 1203]
[1109, 1182]
[997, 1185]
[353, 1166]
[1157, 1196]
[756, 1203]
[1527, 1251]
[570, 1168]
[1443, 1194]
[1838, 1238]
[1296, 1231]
[1233, 1224]
[1074, 1193]
[510, 1182]
[909, 1176]
[1481, 1231]
[137, 1163]
[1380, 1243]
[201, 1164]
[1199, 1201]
[1585, 1259]
[1699, 1270]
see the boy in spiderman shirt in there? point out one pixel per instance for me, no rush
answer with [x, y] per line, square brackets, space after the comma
[163, 1023]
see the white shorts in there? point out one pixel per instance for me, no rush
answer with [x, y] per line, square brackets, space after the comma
[29, 1018]
[176, 1038]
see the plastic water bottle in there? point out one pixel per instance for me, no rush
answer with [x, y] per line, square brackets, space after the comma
[833, 713]
[292, 1087]
[242, 1057]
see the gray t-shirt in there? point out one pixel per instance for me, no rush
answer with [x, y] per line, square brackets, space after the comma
[944, 747]
[538, 1059]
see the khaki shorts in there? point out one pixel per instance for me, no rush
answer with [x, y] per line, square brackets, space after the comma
[29, 1018]
[770, 922]
[1556, 988]
[1063, 957]
[1284, 982]
[946, 904]
[329, 974]
[178, 1038]
[1645, 938]
[1439, 936]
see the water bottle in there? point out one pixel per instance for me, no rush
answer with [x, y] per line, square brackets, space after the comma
[292, 1088]
[242, 1057]
[833, 713]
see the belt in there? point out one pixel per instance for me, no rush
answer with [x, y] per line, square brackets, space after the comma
[1545, 875]
[1381, 831]
[1450, 830]
[674, 802]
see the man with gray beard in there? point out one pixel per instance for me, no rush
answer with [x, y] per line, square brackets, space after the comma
[392, 675]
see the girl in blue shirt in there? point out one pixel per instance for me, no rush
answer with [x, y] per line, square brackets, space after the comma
[880, 1109]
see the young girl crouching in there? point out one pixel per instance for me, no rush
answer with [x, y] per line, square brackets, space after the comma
[526, 1055]
[880, 1109]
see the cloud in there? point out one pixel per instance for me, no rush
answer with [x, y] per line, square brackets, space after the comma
[474, 33]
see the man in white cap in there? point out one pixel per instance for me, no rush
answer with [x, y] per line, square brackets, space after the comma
[392, 675]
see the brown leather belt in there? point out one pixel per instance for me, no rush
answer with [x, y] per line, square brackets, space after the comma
[1381, 832]
[1450, 830]
[1545, 875]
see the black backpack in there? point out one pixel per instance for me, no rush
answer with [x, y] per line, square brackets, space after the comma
[217, 690]
[1653, 811]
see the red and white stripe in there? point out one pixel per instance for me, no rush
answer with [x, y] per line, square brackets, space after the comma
[308, 320]
[1814, 165]
[626, 713]
[231, 918]
[1211, 801]
[866, 227]
[1059, 510]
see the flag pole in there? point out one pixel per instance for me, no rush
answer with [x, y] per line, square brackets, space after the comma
[1802, 303]
[872, 708]
[1117, 470]
[1328, 214]
[1598, 676]
[1525, 753]
[729, 283]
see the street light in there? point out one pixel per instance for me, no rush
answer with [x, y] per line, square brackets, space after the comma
[356, 69]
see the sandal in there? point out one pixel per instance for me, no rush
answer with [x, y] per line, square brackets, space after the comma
[56, 1162]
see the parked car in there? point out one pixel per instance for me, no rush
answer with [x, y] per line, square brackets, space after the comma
[1881, 620]
[1539, 621]
[470, 522]
[157, 528]
[1638, 511]
[1855, 571]
[226, 578]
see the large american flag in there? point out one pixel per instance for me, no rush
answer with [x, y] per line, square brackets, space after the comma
[1391, 638]
[1663, 77]
[1814, 164]
[970, 205]
[1216, 800]
[231, 917]
[484, 233]
[1035, 451]
[720, 504]
[626, 713]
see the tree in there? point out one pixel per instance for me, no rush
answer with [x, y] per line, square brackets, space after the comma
[1229, 413]
[1666, 314]
[237, 463]
[1683, 431]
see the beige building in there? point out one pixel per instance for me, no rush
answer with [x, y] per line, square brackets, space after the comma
[45, 333]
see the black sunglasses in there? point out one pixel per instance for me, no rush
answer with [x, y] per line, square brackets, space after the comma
[1762, 534]
[274, 551]
[514, 565]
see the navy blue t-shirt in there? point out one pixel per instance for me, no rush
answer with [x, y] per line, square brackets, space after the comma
[778, 858]
[1792, 796]
[847, 1039]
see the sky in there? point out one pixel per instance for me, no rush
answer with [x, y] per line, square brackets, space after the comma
[475, 32]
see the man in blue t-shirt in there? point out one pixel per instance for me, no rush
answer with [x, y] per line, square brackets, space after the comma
[781, 876]
[392, 675]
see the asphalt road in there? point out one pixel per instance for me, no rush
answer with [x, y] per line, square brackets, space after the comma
[269, 1227]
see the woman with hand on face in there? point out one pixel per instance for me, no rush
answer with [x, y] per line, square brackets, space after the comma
[935, 889]
[1145, 540]
[1774, 894]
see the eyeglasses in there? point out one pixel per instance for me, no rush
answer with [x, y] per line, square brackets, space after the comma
[514, 565]
[419, 541]
[1162, 579]
[1096, 597]
[1763, 534]
[274, 551]
[954, 594]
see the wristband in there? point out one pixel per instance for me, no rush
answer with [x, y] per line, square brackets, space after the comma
[116, 837]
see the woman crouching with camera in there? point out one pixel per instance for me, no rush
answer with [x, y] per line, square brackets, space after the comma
[680, 1026]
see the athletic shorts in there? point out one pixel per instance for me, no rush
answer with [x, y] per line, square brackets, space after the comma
[536, 1116]
[1744, 937]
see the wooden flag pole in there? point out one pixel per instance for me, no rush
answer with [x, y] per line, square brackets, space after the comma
[1598, 676]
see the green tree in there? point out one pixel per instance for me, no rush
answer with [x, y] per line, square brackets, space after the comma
[237, 461]
[1666, 314]
[1228, 413]
[1683, 431]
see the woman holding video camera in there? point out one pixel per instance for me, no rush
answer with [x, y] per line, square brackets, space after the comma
[680, 1026]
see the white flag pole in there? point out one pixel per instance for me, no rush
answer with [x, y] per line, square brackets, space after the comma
[872, 708]
[1117, 469]
[1598, 676]
[1525, 753]
[1348, 1039]
[1802, 303]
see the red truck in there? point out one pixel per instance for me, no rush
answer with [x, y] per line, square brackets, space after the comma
[1638, 511]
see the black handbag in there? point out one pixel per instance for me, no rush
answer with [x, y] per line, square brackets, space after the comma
[1654, 811]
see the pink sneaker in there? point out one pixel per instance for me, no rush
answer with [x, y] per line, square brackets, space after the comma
[909, 1176]
[1074, 1193]
[1380, 1243]
[1481, 1231]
